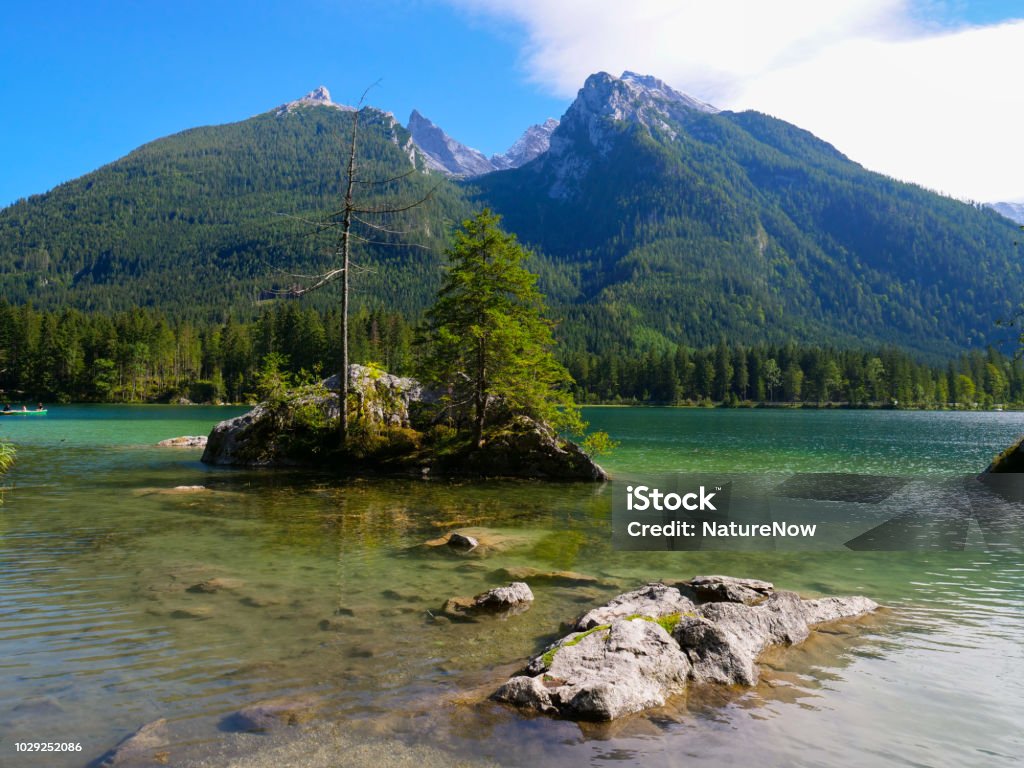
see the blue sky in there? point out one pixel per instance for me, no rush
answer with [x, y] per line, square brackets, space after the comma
[85, 83]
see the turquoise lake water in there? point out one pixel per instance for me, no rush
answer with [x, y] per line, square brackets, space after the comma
[98, 634]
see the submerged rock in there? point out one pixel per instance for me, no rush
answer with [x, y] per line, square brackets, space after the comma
[39, 706]
[212, 586]
[557, 578]
[185, 441]
[270, 714]
[640, 648]
[178, 490]
[192, 612]
[144, 747]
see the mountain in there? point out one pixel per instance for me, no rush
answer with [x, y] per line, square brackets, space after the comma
[534, 142]
[1012, 211]
[656, 219]
[444, 153]
[453, 158]
[209, 219]
[677, 222]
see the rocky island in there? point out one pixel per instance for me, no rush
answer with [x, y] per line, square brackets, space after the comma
[400, 428]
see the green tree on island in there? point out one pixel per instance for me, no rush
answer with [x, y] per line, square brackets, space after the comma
[489, 342]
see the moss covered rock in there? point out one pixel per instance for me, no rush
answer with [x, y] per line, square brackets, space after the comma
[523, 447]
[1010, 460]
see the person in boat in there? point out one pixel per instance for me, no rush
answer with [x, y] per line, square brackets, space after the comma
[39, 407]
[24, 407]
[7, 408]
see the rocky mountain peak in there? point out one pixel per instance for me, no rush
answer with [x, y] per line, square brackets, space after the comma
[318, 97]
[653, 88]
[593, 121]
[534, 142]
[636, 98]
[442, 152]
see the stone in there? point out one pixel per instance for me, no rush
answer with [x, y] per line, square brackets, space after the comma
[462, 542]
[557, 578]
[185, 441]
[487, 541]
[458, 608]
[834, 608]
[644, 646]
[335, 623]
[261, 437]
[212, 586]
[509, 600]
[1010, 460]
[258, 601]
[144, 746]
[724, 640]
[382, 398]
[192, 612]
[653, 600]
[275, 713]
[629, 666]
[714, 589]
[523, 447]
[503, 598]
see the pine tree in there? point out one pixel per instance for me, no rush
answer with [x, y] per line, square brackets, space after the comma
[489, 343]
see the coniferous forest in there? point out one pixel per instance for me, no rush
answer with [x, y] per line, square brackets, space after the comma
[147, 280]
[146, 356]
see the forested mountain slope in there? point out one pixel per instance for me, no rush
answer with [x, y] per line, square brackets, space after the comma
[687, 224]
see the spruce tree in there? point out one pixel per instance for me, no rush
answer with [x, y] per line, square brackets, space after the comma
[489, 342]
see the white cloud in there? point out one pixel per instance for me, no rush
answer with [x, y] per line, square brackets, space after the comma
[940, 107]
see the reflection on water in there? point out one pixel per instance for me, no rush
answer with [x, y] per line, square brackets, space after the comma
[326, 589]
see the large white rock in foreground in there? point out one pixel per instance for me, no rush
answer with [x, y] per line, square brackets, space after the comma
[644, 646]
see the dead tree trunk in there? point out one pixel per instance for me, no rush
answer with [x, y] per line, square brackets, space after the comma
[344, 218]
[346, 228]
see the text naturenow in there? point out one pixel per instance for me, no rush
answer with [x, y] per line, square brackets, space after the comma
[724, 530]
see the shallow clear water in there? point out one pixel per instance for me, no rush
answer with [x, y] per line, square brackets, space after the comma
[98, 634]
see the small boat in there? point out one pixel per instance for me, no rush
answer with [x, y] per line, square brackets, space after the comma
[23, 413]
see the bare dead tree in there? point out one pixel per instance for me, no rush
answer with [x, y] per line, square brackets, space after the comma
[343, 220]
